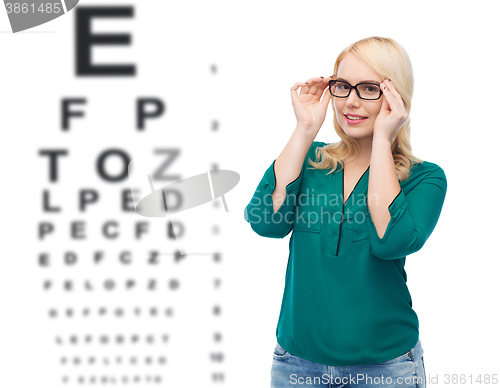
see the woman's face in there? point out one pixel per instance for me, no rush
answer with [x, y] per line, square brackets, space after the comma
[354, 71]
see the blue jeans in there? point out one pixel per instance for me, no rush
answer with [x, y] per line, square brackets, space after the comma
[405, 371]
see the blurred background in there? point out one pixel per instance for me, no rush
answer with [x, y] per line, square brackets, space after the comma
[93, 293]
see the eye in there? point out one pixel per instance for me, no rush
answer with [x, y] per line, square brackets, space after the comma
[369, 89]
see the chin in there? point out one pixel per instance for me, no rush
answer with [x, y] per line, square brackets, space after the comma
[353, 134]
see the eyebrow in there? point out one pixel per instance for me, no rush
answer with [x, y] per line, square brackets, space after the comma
[368, 80]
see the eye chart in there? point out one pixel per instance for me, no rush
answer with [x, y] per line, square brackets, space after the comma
[131, 200]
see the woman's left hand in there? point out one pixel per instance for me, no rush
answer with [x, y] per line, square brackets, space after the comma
[392, 114]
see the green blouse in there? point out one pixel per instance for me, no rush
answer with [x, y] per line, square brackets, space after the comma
[346, 301]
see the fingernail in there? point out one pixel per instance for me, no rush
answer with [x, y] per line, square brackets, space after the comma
[306, 82]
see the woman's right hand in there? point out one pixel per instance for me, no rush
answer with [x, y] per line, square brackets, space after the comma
[309, 110]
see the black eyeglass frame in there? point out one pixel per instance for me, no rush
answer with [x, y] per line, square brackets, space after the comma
[355, 87]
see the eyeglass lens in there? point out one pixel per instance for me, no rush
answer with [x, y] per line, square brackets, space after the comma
[367, 91]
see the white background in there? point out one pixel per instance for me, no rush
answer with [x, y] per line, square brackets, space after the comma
[261, 49]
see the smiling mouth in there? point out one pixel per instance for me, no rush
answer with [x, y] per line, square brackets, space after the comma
[355, 118]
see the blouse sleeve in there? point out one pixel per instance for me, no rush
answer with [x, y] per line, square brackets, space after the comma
[260, 211]
[413, 218]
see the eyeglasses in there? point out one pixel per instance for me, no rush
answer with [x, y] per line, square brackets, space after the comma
[365, 91]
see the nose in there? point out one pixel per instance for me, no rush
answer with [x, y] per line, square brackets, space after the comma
[353, 99]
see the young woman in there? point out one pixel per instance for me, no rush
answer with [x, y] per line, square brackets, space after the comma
[346, 318]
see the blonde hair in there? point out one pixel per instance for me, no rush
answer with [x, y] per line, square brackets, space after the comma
[389, 60]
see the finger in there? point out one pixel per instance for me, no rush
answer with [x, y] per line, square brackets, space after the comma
[390, 97]
[318, 85]
[398, 96]
[327, 97]
[397, 100]
[385, 103]
[315, 79]
[326, 86]
[296, 86]
[315, 85]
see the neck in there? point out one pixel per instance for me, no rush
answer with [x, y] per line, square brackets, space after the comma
[364, 154]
